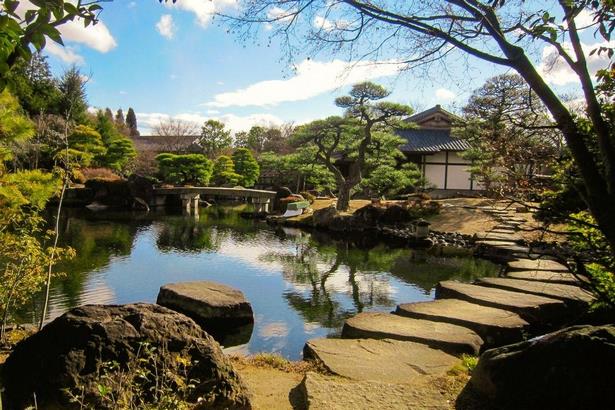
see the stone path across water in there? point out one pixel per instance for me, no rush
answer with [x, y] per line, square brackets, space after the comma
[537, 264]
[567, 293]
[444, 336]
[495, 326]
[386, 356]
[534, 309]
[547, 276]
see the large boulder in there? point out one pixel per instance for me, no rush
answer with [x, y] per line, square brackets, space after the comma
[568, 369]
[72, 352]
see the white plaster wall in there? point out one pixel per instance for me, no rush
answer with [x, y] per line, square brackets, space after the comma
[458, 177]
[435, 175]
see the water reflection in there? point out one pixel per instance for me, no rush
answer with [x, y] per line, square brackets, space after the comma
[301, 284]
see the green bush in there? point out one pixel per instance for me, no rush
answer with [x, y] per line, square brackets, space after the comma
[246, 166]
[224, 172]
[184, 169]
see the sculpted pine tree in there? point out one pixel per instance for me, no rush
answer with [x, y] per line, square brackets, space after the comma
[348, 147]
[246, 167]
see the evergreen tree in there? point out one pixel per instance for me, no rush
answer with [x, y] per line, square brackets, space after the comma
[131, 122]
[73, 103]
[246, 166]
[214, 138]
[184, 169]
[33, 84]
[224, 172]
[120, 150]
[119, 118]
[85, 144]
[109, 114]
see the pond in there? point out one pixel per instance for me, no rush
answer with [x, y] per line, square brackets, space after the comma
[301, 284]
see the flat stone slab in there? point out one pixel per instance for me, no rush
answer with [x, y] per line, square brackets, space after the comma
[322, 392]
[496, 327]
[449, 338]
[386, 360]
[567, 293]
[565, 278]
[537, 264]
[208, 303]
[536, 310]
[507, 246]
[499, 237]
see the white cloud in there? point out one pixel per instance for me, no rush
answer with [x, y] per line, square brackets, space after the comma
[96, 36]
[234, 122]
[132, 4]
[445, 95]
[66, 54]
[202, 9]
[173, 76]
[312, 78]
[165, 26]
[584, 19]
[279, 14]
[213, 112]
[122, 92]
[556, 71]
[321, 23]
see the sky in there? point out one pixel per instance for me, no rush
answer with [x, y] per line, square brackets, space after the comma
[176, 61]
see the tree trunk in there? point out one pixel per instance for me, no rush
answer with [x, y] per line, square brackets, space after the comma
[343, 197]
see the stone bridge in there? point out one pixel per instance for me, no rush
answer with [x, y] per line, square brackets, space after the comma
[190, 196]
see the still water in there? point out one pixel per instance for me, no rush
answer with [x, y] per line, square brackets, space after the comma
[301, 284]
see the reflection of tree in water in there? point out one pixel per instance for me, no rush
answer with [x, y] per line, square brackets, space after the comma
[321, 267]
[424, 270]
[207, 231]
[95, 243]
[186, 234]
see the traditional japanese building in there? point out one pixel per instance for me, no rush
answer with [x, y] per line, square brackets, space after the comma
[437, 152]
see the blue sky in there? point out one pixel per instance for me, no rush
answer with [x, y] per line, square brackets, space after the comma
[174, 61]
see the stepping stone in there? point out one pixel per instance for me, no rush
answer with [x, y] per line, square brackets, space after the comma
[537, 264]
[496, 327]
[504, 232]
[498, 237]
[322, 392]
[208, 303]
[387, 360]
[506, 246]
[449, 338]
[536, 310]
[565, 278]
[567, 293]
[503, 227]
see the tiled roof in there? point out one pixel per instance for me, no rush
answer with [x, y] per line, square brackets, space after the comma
[431, 111]
[425, 140]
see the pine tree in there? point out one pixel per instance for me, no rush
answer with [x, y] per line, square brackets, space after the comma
[131, 122]
[119, 118]
[109, 114]
[224, 171]
[246, 166]
[73, 101]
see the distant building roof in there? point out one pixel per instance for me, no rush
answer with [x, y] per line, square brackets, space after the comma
[156, 143]
[425, 140]
[434, 117]
[433, 133]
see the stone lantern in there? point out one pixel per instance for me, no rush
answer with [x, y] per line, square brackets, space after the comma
[421, 229]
